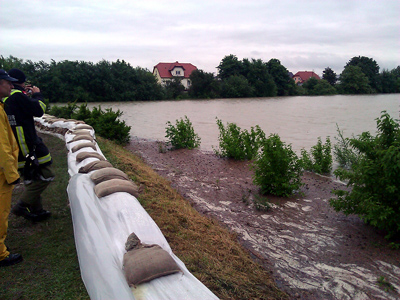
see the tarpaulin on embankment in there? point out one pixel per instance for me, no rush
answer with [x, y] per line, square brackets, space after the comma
[101, 228]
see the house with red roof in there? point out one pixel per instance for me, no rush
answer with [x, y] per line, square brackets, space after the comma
[302, 76]
[168, 71]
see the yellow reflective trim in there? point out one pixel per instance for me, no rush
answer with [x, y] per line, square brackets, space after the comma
[44, 159]
[21, 140]
[12, 92]
[21, 164]
[43, 106]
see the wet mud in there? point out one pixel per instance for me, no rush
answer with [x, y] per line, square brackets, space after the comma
[313, 251]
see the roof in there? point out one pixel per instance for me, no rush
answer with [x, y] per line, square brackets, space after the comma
[164, 69]
[305, 75]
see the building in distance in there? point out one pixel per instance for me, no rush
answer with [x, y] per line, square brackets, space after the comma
[302, 76]
[168, 71]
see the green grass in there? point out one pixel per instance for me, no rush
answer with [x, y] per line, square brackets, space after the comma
[50, 269]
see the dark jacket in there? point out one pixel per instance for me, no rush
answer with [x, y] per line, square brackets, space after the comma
[21, 109]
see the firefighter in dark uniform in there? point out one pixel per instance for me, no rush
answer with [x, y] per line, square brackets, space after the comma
[34, 160]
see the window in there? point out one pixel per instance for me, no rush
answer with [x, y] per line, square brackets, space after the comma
[178, 73]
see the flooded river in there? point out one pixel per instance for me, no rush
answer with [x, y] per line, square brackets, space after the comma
[298, 120]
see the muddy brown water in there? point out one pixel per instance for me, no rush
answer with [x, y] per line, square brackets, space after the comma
[299, 121]
[313, 251]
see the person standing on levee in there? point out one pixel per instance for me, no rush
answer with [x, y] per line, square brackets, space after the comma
[34, 160]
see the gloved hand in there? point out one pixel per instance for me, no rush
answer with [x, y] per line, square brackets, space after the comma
[31, 167]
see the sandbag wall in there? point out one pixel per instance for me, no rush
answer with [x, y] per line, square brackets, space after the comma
[103, 218]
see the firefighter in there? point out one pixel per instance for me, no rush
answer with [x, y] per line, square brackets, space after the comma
[8, 171]
[34, 160]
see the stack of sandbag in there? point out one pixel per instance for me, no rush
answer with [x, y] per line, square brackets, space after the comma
[105, 212]
[55, 122]
[111, 180]
[82, 146]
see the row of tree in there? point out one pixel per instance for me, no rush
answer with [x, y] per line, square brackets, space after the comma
[68, 81]
[255, 78]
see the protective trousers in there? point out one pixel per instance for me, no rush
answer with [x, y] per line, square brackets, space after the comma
[5, 206]
[32, 191]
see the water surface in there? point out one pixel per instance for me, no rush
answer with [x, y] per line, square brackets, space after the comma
[298, 120]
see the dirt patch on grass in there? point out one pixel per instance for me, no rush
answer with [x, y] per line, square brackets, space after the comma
[313, 251]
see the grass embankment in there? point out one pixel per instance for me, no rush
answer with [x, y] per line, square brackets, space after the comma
[50, 269]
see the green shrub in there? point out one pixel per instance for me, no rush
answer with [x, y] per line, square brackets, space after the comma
[277, 169]
[63, 111]
[237, 144]
[105, 123]
[374, 178]
[319, 159]
[344, 154]
[83, 113]
[182, 135]
[261, 203]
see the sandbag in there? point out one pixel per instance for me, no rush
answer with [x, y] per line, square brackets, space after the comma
[94, 165]
[83, 126]
[83, 155]
[51, 121]
[83, 145]
[107, 174]
[75, 121]
[111, 186]
[79, 131]
[143, 262]
[81, 137]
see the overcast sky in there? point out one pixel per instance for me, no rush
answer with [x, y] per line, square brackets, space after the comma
[303, 35]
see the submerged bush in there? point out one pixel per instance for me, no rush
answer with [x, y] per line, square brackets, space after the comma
[344, 154]
[238, 144]
[374, 178]
[182, 135]
[319, 159]
[277, 169]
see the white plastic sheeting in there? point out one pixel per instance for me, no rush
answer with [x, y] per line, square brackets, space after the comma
[101, 228]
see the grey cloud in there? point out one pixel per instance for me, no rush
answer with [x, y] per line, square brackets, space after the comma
[302, 34]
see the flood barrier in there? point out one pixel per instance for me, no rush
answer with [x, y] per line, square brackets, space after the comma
[102, 226]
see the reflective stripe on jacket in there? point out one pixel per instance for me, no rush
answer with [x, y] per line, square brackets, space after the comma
[21, 109]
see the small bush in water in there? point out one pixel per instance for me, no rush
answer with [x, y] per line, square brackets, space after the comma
[277, 169]
[374, 178]
[344, 154]
[319, 159]
[238, 144]
[182, 135]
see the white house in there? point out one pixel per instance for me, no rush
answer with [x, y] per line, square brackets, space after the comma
[167, 71]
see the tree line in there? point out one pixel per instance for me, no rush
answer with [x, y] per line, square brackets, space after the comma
[70, 81]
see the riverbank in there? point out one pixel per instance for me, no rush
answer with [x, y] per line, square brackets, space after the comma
[312, 251]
